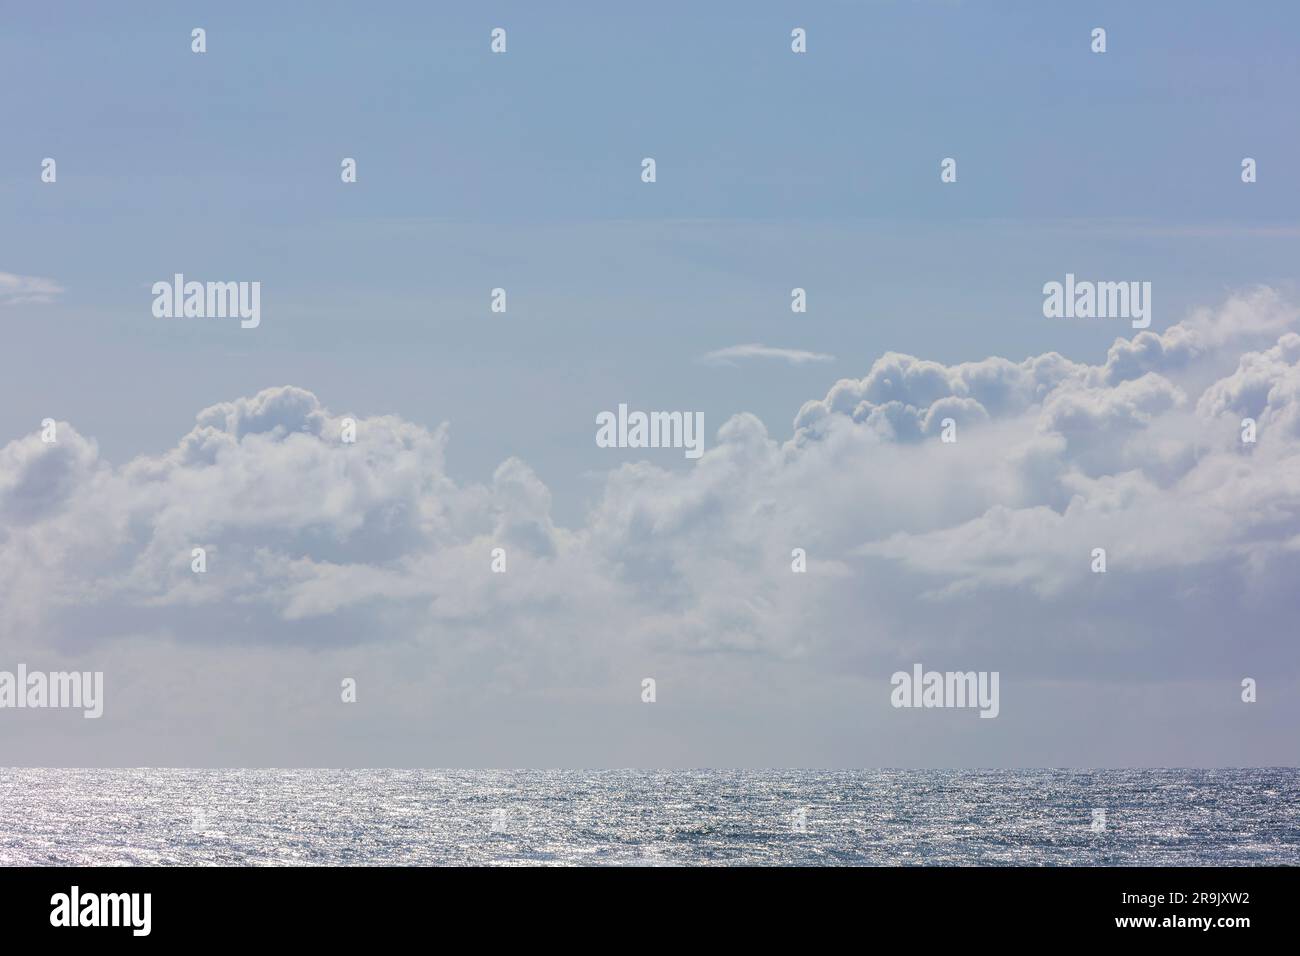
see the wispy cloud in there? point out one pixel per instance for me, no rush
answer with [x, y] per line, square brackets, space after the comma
[27, 290]
[733, 353]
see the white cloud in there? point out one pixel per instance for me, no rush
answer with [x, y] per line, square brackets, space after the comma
[27, 290]
[734, 353]
[1051, 455]
[916, 549]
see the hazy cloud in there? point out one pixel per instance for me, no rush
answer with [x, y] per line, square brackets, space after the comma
[27, 290]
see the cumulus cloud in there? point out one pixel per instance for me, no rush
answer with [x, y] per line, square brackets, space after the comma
[895, 398]
[1118, 456]
[916, 548]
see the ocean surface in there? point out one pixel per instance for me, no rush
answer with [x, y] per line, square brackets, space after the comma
[648, 818]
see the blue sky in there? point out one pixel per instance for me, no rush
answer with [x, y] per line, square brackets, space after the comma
[522, 171]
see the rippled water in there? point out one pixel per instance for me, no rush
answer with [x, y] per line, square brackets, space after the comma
[887, 817]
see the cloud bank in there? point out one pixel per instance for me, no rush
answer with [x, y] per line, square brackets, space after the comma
[977, 554]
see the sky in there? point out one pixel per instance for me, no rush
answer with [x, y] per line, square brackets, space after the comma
[476, 430]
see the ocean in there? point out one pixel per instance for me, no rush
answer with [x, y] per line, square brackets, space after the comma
[647, 818]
